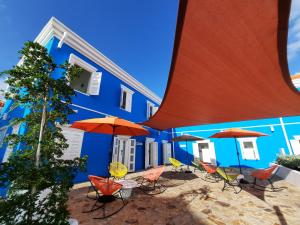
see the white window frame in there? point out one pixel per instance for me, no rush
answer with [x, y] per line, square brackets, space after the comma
[75, 60]
[154, 109]
[255, 149]
[3, 131]
[295, 143]
[208, 156]
[128, 103]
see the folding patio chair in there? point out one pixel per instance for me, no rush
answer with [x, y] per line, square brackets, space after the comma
[265, 174]
[117, 170]
[150, 181]
[198, 166]
[229, 180]
[211, 172]
[176, 164]
[106, 191]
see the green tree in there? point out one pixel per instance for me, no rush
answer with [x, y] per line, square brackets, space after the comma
[37, 178]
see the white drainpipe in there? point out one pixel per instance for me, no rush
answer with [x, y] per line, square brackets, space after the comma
[285, 136]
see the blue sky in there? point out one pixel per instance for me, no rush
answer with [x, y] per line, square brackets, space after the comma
[136, 34]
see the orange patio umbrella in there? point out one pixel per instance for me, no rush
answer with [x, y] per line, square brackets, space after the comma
[111, 125]
[237, 133]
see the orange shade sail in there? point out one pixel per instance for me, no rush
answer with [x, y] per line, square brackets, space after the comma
[111, 125]
[237, 133]
[229, 64]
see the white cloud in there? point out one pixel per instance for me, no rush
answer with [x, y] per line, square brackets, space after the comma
[294, 31]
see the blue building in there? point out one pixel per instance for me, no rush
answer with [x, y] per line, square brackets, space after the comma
[283, 139]
[102, 89]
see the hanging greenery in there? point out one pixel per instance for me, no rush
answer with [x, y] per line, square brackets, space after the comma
[37, 178]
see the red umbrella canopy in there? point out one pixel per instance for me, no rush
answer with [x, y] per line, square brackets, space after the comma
[111, 125]
[236, 133]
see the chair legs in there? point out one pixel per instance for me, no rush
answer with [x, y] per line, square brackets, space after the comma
[228, 184]
[151, 187]
[103, 201]
[263, 188]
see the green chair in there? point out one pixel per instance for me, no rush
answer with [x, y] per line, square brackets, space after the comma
[230, 181]
[197, 166]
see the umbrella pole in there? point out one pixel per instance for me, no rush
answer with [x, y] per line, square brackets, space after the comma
[187, 158]
[238, 155]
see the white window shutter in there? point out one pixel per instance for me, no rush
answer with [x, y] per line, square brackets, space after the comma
[295, 146]
[212, 152]
[128, 102]
[9, 149]
[154, 148]
[115, 149]
[196, 151]
[74, 139]
[155, 110]
[131, 158]
[3, 131]
[94, 85]
[148, 110]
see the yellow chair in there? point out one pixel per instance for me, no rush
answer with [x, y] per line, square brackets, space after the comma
[175, 164]
[117, 170]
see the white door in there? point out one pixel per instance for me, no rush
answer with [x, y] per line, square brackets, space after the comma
[167, 152]
[205, 151]
[124, 152]
[148, 157]
[131, 155]
[154, 153]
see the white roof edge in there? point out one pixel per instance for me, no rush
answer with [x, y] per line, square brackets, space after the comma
[56, 28]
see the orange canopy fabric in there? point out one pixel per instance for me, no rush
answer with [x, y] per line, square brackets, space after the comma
[229, 64]
[236, 133]
[111, 125]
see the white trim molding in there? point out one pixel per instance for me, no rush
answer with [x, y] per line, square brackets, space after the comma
[73, 59]
[55, 28]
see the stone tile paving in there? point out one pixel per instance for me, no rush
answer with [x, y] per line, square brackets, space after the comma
[189, 200]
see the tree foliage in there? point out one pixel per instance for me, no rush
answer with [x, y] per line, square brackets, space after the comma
[38, 184]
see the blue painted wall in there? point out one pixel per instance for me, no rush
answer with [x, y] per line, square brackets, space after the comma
[268, 147]
[97, 146]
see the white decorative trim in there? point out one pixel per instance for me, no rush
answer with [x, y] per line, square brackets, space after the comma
[60, 43]
[131, 92]
[73, 59]
[55, 28]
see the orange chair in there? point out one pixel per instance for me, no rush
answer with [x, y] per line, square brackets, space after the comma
[264, 174]
[106, 191]
[151, 177]
[211, 172]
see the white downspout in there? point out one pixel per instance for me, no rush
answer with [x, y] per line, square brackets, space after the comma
[173, 147]
[285, 136]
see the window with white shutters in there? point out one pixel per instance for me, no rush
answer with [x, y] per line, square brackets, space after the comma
[9, 149]
[74, 139]
[126, 98]
[249, 148]
[296, 145]
[2, 135]
[89, 80]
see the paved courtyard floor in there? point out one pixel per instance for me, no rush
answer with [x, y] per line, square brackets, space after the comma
[189, 200]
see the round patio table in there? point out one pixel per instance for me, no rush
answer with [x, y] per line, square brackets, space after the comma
[127, 187]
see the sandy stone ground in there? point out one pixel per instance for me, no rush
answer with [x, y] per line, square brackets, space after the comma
[189, 200]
